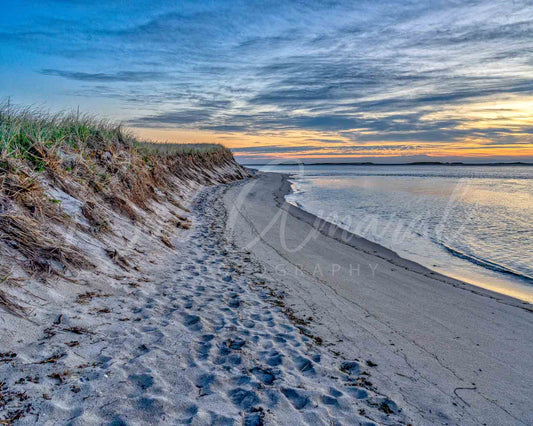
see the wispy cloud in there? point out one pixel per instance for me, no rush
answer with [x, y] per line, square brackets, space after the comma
[168, 119]
[362, 72]
[127, 76]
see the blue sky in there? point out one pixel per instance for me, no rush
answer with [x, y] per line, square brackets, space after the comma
[300, 79]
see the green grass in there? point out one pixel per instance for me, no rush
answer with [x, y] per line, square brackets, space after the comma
[22, 129]
[178, 148]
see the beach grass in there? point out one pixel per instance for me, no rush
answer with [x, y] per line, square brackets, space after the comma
[99, 163]
[166, 148]
[22, 129]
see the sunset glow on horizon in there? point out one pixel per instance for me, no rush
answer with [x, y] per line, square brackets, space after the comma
[515, 114]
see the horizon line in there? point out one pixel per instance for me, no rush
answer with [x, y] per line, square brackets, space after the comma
[413, 163]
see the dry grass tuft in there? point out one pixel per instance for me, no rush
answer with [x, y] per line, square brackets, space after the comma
[121, 205]
[43, 249]
[118, 259]
[98, 163]
[184, 224]
[8, 305]
[166, 241]
[6, 301]
[96, 216]
[85, 298]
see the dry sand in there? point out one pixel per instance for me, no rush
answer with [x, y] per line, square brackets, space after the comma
[189, 335]
[446, 351]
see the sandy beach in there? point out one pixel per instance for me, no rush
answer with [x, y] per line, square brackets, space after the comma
[447, 352]
[186, 332]
[253, 316]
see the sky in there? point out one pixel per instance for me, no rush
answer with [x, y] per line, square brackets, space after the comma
[309, 80]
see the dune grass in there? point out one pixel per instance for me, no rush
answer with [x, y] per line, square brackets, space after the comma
[75, 150]
[21, 129]
[178, 148]
[98, 162]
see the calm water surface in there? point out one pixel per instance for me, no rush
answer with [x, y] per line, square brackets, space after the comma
[474, 223]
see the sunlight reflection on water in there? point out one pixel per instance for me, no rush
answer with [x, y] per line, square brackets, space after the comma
[472, 223]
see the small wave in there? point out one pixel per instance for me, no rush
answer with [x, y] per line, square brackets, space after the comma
[487, 263]
[295, 204]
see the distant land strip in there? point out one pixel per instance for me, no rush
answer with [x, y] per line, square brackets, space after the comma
[416, 163]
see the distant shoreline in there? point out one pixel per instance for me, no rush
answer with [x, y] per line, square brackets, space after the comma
[416, 163]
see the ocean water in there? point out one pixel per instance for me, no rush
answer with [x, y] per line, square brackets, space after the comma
[474, 223]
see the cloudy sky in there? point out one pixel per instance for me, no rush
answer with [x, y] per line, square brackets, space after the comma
[359, 80]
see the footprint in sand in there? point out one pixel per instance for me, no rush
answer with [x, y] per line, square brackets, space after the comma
[351, 368]
[203, 350]
[143, 381]
[329, 400]
[192, 322]
[203, 382]
[244, 399]
[297, 399]
[265, 375]
[254, 419]
[304, 365]
[274, 358]
[356, 392]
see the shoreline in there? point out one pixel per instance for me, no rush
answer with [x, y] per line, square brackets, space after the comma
[455, 265]
[349, 238]
[434, 336]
